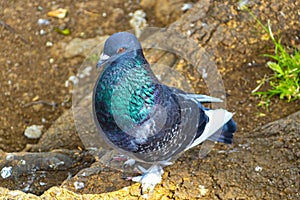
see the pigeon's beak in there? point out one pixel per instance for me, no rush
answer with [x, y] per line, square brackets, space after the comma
[103, 59]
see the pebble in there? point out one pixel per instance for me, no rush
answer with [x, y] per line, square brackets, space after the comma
[138, 22]
[258, 168]
[49, 44]
[34, 131]
[42, 32]
[72, 79]
[186, 7]
[9, 157]
[6, 172]
[40, 8]
[37, 107]
[42, 183]
[78, 185]
[202, 190]
[43, 22]
[147, 3]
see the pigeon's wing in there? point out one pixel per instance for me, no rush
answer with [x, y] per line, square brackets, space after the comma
[171, 128]
[219, 127]
[190, 115]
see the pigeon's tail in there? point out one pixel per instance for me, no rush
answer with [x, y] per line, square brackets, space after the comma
[216, 125]
[227, 133]
[228, 129]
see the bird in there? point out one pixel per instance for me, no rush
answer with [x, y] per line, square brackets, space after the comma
[146, 120]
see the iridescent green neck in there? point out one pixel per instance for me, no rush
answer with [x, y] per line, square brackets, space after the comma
[127, 91]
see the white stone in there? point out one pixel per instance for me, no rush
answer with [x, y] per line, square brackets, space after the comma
[138, 22]
[202, 190]
[34, 131]
[258, 168]
[6, 172]
[78, 185]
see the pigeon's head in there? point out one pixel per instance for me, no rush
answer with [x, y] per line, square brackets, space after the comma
[118, 43]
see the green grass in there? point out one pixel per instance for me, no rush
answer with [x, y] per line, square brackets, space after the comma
[285, 82]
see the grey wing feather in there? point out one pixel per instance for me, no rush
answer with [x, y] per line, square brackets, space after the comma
[198, 97]
[204, 98]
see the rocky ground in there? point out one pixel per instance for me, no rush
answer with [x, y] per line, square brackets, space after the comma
[263, 163]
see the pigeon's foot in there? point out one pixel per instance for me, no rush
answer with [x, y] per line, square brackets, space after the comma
[151, 177]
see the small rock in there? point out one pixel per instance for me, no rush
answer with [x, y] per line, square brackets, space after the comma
[72, 79]
[147, 4]
[9, 157]
[37, 107]
[78, 185]
[202, 190]
[138, 22]
[42, 183]
[43, 22]
[186, 7]
[49, 44]
[6, 172]
[36, 98]
[40, 8]
[258, 168]
[34, 131]
[42, 32]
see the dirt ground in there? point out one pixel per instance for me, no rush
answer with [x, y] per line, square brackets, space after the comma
[33, 91]
[27, 75]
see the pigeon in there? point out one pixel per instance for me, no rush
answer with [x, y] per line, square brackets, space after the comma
[146, 120]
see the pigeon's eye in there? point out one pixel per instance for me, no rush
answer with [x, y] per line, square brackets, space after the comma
[120, 50]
